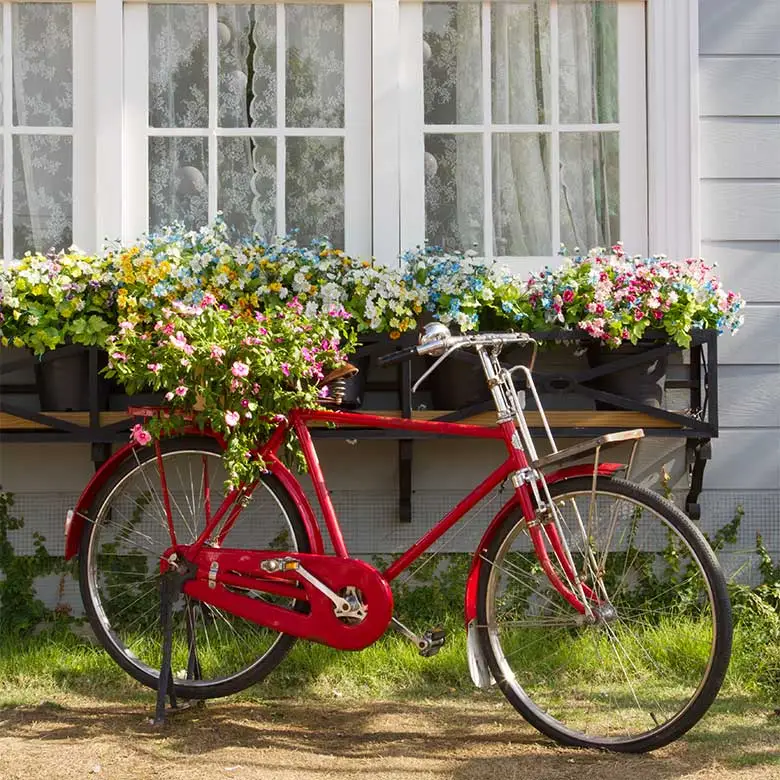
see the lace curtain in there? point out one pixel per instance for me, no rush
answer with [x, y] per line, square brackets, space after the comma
[247, 164]
[42, 176]
[522, 200]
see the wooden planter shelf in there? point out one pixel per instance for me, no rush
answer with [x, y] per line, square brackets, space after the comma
[102, 429]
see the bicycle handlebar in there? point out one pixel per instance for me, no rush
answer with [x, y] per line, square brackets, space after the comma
[451, 343]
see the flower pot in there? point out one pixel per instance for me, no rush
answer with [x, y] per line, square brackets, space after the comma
[642, 382]
[62, 377]
[456, 384]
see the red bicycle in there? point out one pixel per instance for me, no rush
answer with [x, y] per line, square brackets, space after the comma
[573, 592]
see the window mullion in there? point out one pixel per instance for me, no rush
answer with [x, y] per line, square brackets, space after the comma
[281, 119]
[213, 69]
[8, 157]
[487, 135]
[555, 146]
[84, 148]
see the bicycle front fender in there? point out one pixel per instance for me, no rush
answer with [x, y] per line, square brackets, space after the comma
[74, 522]
[511, 506]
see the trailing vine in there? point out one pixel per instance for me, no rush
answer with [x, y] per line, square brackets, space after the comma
[20, 610]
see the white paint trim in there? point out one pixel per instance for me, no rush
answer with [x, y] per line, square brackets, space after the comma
[8, 151]
[555, 145]
[693, 52]
[390, 79]
[632, 103]
[357, 130]
[84, 115]
[136, 122]
[212, 181]
[487, 136]
[281, 118]
[108, 137]
[672, 49]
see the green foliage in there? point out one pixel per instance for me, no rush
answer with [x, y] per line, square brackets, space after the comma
[20, 610]
[50, 300]
[234, 374]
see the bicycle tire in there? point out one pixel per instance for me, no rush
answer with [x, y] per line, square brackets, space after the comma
[117, 549]
[557, 687]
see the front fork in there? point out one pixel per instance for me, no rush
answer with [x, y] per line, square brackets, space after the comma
[538, 507]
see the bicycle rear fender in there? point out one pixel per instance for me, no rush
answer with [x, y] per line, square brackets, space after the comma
[583, 470]
[74, 523]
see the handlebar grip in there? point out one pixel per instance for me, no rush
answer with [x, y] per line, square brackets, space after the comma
[397, 357]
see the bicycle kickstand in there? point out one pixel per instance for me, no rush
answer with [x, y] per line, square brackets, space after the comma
[171, 583]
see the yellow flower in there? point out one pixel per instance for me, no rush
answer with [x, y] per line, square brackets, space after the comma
[394, 334]
[417, 308]
[274, 287]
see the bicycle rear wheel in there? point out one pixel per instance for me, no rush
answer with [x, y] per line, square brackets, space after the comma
[215, 653]
[648, 667]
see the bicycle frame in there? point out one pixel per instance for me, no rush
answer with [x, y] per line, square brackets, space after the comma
[244, 569]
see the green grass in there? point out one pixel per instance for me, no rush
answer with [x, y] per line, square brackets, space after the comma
[39, 667]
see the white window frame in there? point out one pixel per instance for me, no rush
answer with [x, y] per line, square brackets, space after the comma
[672, 127]
[81, 130]
[631, 128]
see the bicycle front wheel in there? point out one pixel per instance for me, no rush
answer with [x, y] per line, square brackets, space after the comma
[215, 653]
[644, 668]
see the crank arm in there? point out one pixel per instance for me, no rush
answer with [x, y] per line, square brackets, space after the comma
[291, 564]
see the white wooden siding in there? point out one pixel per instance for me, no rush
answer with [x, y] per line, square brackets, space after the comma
[739, 86]
[740, 27]
[740, 147]
[739, 135]
[752, 267]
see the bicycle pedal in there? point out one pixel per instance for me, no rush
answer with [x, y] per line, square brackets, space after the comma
[432, 641]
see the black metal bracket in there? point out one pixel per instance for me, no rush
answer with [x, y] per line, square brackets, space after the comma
[697, 453]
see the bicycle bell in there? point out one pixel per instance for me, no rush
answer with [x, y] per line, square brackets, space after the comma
[435, 331]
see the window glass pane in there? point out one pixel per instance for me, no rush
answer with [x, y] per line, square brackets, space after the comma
[452, 63]
[521, 194]
[315, 65]
[42, 64]
[178, 65]
[453, 191]
[314, 200]
[590, 190]
[178, 181]
[247, 185]
[588, 61]
[42, 192]
[520, 57]
[246, 36]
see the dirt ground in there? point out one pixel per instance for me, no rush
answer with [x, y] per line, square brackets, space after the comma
[462, 739]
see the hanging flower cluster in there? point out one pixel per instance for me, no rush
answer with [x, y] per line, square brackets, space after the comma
[230, 371]
[617, 298]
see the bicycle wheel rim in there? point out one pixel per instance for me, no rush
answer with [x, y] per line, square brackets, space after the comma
[214, 652]
[634, 682]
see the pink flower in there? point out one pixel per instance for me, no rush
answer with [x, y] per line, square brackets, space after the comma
[181, 391]
[139, 435]
[169, 396]
[568, 296]
[245, 402]
[279, 418]
[217, 352]
[286, 369]
[232, 419]
[154, 367]
[239, 369]
[638, 315]
[125, 325]
[255, 388]
[119, 356]
[235, 385]
[180, 342]
[209, 299]
[167, 329]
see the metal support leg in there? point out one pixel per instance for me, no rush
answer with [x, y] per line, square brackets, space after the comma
[171, 583]
[698, 453]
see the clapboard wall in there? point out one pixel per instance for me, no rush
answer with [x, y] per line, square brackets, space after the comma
[740, 230]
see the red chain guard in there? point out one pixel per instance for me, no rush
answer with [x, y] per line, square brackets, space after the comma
[320, 623]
